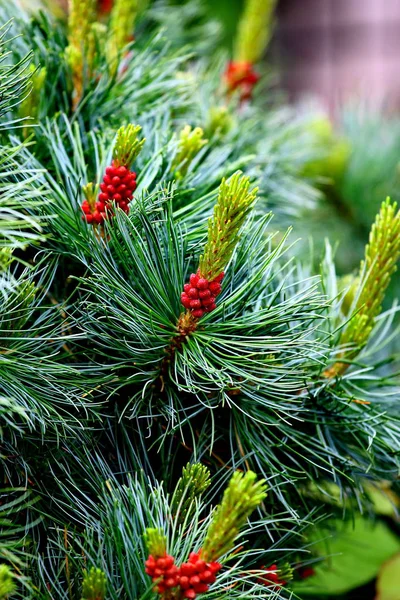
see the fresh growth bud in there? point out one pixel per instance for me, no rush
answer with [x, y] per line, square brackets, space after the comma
[190, 144]
[127, 146]
[241, 497]
[5, 258]
[220, 121]
[122, 24]
[194, 481]
[376, 270]
[254, 30]
[156, 542]
[26, 290]
[235, 201]
[94, 585]
[7, 584]
[81, 17]
[30, 105]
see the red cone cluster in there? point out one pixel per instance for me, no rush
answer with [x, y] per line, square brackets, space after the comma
[105, 6]
[118, 185]
[196, 575]
[163, 571]
[200, 294]
[306, 572]
[241, 75]
[193, 577]
[95, 216]
[271, 577]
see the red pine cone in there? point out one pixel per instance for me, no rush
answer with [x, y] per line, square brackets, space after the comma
[200, 294]
[163, 572]
[271, 577]
[306, 572]
[118, 184]
[98, 215]
[196, 575]
[105, 6]
[241, 75]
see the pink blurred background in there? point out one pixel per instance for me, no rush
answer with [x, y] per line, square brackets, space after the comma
[338, 49]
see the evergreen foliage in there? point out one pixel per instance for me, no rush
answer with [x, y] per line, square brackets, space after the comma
[108, 386]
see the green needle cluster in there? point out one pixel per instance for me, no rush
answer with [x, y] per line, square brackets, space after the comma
[243, 494]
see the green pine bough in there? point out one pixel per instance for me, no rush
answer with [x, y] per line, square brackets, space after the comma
[240, 498]
[162, 339]
[376, 270]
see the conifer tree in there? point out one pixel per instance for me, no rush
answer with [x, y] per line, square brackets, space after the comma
[181, 395]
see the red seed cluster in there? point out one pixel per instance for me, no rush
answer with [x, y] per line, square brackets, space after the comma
[105, 6]
[196, 575]
[200, 294]
[193, 577]
[163, 572]
[241, 75]
[306, 572]
[118, 185]
[271, 577]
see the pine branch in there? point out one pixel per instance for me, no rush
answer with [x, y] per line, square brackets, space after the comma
[115, 523]
[381, 256]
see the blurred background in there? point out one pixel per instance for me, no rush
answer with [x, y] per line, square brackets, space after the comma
[338, 49]
[333, 49]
